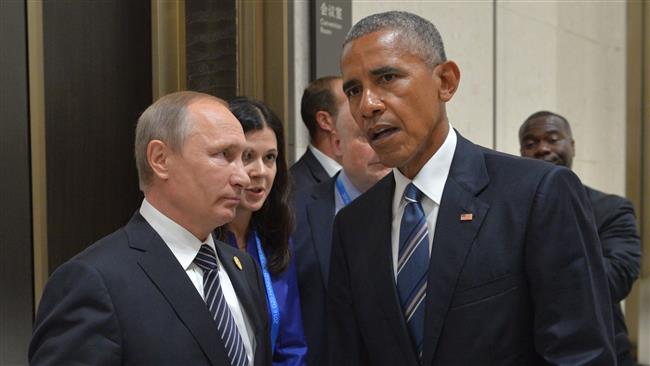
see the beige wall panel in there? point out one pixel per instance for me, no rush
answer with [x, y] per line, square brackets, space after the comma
[300, 61]
[466, 29]
[568, 58]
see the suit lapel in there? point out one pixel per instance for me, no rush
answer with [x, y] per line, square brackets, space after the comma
[320, 213]
[241, 286]
[380, 259]
[315, 168]
[453, 238]
[160, 265]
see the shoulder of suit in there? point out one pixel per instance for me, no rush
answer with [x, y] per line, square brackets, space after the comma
[607, 199]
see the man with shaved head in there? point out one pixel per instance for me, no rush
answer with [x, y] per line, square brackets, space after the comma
[161, 290]
[462, 255]
[547, 136]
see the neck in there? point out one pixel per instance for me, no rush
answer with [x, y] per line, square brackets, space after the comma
[240, 226]
[323, 143]
[167, 208]
[435, 141]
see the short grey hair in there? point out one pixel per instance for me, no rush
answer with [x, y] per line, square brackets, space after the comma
[420, 35]
[166, 120]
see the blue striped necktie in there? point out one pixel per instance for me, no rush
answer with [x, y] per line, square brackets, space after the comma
[413, 264]
[218, 307]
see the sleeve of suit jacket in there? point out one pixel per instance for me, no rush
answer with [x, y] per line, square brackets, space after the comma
[76, 323]
[621, 245]
[566, 275]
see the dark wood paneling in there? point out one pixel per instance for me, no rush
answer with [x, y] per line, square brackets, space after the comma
[16, 289]
[97, 82]
[211, 47]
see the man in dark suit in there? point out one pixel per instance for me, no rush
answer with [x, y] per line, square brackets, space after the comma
[547, 136]
[463, 255]
[315, 212]
[161, 290]
[319, 111]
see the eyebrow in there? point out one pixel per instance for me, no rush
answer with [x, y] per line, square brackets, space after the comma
[376, 72]
[384, 70]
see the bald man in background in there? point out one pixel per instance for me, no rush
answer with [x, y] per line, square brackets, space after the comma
[547, 136]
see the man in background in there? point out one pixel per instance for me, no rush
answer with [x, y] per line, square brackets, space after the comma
[161, 290]
[315, 210]
[319, 111]
[547, 136]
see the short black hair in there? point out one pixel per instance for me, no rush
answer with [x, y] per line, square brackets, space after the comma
[318, 96]
[539, 114]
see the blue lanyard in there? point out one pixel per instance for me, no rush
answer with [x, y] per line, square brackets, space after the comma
[270, 295]
[342, 192]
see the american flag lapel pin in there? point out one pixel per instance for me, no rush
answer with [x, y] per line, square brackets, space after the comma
[466, 217]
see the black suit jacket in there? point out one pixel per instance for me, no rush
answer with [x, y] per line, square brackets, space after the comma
[312, 239]
[126, 300]
[619, 237]
[522, 283]
[307, 172]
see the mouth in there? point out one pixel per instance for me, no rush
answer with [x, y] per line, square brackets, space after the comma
[256, 190]
[380, 133]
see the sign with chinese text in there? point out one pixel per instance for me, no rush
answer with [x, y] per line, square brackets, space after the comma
[331, 21]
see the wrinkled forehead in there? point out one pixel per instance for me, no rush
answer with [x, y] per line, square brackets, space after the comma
[544, 125]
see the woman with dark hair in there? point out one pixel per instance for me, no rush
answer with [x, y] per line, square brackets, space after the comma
[263, 224]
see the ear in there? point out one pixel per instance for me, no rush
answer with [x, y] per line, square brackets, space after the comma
[158, 158]
[449, 75]
[325, 121]
[335, 140]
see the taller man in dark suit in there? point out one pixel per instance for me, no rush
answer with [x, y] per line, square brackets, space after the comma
[319, 110]
[547, 136]
[463, 255]
[161, 290]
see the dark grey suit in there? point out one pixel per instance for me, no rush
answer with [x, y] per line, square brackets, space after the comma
[307, 172]
[312, 239]
[126, 300]
[521, 283]
[619, 237]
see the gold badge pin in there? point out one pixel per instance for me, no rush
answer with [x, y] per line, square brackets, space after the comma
[466, 217]
[237, 262]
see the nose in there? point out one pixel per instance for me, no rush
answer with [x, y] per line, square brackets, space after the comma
[543, 149]
[371, 104]
[255, 168]
[239, 178]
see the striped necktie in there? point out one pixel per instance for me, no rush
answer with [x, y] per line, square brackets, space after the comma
[413, 264]
[218, 307]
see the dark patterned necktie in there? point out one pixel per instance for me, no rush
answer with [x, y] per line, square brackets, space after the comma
[218, 307]
[413, 264]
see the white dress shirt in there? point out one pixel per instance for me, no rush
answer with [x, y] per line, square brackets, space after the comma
[330, 165]
[185, 246]
[431, 181]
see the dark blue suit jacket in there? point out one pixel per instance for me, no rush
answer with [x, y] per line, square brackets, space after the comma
[307, 172]
[619, 237]
[126, 300]
[312, 239]
[522, 283]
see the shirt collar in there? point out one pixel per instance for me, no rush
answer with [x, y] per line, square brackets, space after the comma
[433, 175]
[330, 165]
[352, 191]
[183, 244]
